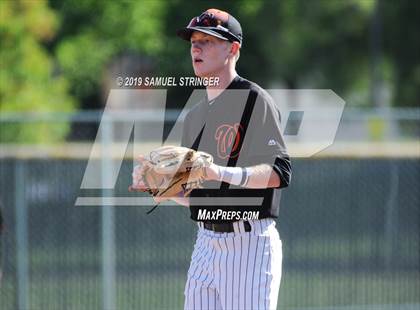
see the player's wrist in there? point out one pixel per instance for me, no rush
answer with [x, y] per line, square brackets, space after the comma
[212, 173]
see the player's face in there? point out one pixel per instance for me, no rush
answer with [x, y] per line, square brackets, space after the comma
[209, 54]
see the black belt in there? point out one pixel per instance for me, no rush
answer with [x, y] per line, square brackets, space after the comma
[224, 227]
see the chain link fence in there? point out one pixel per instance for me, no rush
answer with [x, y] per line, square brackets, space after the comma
[350, 226]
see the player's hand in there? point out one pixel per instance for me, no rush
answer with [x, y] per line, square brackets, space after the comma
[137, 183]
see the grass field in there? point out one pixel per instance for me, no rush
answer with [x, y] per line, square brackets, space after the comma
[150, 277]
[165, 291]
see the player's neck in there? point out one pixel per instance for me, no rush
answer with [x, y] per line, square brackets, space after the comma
[225, 78]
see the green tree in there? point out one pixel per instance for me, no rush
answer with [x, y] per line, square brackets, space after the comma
[401, 24]
[292, 43]
[27, 79]
[93, 32]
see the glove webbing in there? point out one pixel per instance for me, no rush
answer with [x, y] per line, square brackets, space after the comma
[174, 183]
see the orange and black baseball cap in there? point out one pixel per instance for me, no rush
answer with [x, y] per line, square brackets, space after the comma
[216, 23]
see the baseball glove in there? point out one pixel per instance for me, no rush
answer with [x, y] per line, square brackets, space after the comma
[171, 171]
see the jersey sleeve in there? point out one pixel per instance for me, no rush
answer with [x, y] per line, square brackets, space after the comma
[264, 141]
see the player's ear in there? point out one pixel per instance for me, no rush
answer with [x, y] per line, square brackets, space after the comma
[234, 47]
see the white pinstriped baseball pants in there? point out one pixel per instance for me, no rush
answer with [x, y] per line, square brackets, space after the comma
[239, 270]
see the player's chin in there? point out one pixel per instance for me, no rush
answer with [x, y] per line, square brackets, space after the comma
[199, 72]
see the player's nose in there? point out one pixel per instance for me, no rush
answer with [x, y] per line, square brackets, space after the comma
[195, 48]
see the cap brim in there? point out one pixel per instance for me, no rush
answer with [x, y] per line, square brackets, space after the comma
[186, 33]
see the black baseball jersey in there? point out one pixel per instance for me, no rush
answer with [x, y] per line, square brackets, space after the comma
[241, 127]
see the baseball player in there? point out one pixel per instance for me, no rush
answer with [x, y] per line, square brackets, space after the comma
[237, 261]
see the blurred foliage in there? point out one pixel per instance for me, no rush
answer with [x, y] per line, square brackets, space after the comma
[401, 25]
[314, 44]
[27, 82]
[298, 43]
[93, 32]
[287, 44]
